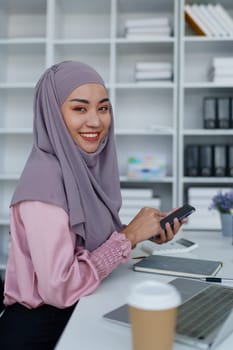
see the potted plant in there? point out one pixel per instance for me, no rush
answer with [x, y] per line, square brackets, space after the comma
[223, 203]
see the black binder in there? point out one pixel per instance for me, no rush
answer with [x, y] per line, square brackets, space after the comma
[206, 160]
[210, 112]
[191, 160]
[231, 112]
[220, 160]
[223, 113]
[230, 160]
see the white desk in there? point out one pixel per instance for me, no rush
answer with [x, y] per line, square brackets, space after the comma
[87, 329]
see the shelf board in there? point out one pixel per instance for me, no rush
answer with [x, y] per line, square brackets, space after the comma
[17, 85]
[145, 85]
[91, 41]
[4, 219]
[166, 179]
[158, 39]
[3, 261]
[4, 222]
[27, 40]
[208, 180]
[204, 39]
[207, 85]
[150, 131]
[9, 176]
[210, 132]
[19, 131]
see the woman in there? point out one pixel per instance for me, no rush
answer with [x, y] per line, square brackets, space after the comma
[65, 230]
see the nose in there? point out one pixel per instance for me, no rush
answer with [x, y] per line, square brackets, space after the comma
[93, 119]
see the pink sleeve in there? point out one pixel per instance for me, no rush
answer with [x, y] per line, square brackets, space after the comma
[64, 272]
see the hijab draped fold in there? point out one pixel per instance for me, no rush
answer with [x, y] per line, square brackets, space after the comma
[58, 171]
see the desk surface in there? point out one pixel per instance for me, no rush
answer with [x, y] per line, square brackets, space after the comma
[88, 330]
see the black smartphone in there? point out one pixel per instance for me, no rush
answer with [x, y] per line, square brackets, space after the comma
[180, 214]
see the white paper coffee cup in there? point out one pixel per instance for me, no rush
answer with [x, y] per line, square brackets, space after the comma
[152, 310]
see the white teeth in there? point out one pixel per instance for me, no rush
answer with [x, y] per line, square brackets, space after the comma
[89, 135]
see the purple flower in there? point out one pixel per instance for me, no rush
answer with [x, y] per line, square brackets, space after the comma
[223, 202]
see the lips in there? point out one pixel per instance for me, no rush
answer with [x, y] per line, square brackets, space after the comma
[90, 136]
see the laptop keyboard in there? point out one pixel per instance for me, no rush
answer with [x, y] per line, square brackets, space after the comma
[205, 312]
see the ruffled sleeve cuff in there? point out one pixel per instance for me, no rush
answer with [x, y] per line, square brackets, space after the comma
[109, 255]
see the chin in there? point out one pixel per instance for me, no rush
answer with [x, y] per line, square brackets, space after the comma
[90, 149]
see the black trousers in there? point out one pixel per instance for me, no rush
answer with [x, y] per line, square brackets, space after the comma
[32, 329]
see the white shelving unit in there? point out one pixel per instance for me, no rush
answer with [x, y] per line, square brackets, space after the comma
[196, 54]
[150, 118]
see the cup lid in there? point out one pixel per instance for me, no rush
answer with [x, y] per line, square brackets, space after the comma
[154, 295]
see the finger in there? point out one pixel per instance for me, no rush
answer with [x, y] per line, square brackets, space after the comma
[176, 225]
[159, 213]
[162, 237]
[169, 232]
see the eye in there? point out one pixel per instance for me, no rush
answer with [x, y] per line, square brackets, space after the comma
[104, 108]
[80, 109]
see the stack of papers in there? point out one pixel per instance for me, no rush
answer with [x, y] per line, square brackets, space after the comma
[134, 199]
[153, 71]
[147, 28]
[222, 70]
[201, 199]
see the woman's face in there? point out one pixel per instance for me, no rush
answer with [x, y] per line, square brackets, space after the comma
[86, 113]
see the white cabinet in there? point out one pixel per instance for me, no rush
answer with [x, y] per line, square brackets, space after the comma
[151, 117]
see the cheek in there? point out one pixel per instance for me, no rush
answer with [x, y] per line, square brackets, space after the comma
[107, 122]
[73, 123]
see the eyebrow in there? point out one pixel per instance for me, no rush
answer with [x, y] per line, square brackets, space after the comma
[86, 101]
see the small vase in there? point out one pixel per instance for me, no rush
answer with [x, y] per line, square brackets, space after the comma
[227, 224]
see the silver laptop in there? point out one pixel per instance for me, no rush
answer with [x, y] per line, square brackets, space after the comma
[205, 317]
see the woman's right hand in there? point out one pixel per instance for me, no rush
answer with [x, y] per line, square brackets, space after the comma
[145, 225]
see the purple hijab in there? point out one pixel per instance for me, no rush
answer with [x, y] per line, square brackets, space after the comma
[85, 185]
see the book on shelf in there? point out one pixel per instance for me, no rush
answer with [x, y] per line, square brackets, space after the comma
[205, 221]
[220, 160]
[134, 199]
[150, 30]
[213, 18]
[223, 80]
[194, 21]
[210, 20]
[140, 193]
[201, 198]
[178, 266]
[223, 112]
[203, 15]
[225, 18]
[210, 112]
[191, 160]
[153, 66]
[230, 160]
[206, 160]
[223, 62]
[221, 73]
[141, 202]
[205, 192]
[147, 28]
[222, 28]
[147, 22]
[153, 75]
[231, 112]
[145, 36]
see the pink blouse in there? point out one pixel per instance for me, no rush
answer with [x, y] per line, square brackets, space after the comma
[46, 267]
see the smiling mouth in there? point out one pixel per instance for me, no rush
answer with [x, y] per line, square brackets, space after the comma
[91, 136]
